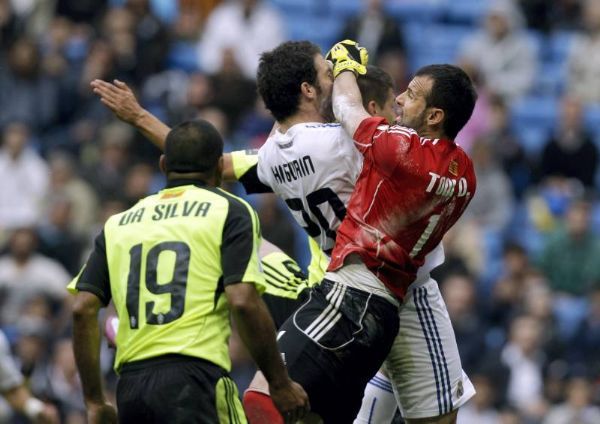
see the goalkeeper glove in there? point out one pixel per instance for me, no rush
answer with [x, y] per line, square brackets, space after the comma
[347, 55]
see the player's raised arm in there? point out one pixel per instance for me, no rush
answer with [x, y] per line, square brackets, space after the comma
[349, 60]
[119, 98]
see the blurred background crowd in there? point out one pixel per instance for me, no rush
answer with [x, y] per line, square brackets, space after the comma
[522, 272]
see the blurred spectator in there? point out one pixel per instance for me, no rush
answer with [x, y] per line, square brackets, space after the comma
[376, 30]
[82, 197]
[108, 173]
[583, 62]
[23, 179]
[245, 28]
[583, 348]
[81, 10]
[480, 409]
[493, 202]
[25, 274]
[27, 94]
[525, 359]
[578, 407]
[461, 301]
[571, 153]
[138, 183]
[501, 52]
[8, 25]
[506, 147]
[570, 257]
[63, 382]
[546, 15]
[151, 39]
[549, 201]
[236, 92]
[479, 123]
[58, 239]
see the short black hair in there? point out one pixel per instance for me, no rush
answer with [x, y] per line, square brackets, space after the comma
[280, 74]
[193, 146]
[453, 92]
[375, 85]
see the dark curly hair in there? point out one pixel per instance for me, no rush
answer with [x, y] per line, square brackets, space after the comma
[282, 71]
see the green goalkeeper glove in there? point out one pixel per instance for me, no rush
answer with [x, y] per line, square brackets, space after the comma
[347, 55]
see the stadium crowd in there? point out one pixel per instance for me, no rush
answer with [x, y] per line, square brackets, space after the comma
[522, 275]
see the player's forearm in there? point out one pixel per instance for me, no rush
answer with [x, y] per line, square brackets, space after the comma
[152, 128]
[257, 331]
[347, 102]
[86, 346]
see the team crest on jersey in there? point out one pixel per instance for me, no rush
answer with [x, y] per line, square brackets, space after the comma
[460, 389]
[453, 168]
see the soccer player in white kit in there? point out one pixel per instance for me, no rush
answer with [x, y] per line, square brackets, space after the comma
[313, 165]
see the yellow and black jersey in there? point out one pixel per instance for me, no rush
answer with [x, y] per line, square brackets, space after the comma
[165, 263]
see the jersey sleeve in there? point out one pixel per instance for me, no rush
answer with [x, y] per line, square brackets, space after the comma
[386, 147]
[245, 169]
[9, 374]
[239, 250]
[94, 276]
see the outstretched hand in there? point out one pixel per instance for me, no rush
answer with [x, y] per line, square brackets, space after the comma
[119, 98]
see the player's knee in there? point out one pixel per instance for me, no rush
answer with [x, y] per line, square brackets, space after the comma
[260, 409]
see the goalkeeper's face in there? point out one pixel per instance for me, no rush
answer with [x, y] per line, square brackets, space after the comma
[324, 86]
[412, 104]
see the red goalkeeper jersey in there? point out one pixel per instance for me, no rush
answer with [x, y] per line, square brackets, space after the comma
[410, 191]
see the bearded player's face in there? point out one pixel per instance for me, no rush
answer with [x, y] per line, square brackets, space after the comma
[412, 104]
[324, 85]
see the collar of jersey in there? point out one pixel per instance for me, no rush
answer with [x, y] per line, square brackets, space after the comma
[184, 182]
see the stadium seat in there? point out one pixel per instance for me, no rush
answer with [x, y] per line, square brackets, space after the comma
[295, 6]
[466, 11]
[550, 79]
[416, 10]
[559, 44]
[322, 30]
[435, 43]
[533, 119]
[346, 7]
[592, 119]
[536, 111]
[184, 56]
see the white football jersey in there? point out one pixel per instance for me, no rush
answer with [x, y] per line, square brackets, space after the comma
[313, 167]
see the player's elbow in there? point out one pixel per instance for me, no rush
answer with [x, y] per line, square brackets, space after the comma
[85, 306]
[242, 298]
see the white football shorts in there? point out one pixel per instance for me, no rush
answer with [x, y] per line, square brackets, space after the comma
[424, 365]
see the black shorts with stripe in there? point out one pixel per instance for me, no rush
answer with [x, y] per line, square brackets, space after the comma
[177, 389]
[334, 343]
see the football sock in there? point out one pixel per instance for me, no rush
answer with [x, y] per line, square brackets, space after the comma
[260, 409]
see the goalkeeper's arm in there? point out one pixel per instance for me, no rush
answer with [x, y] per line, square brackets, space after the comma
[349, 60]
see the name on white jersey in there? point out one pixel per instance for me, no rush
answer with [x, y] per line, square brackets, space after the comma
[446, 187]
[293, 170]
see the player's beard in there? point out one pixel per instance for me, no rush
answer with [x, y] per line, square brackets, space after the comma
[416, 123]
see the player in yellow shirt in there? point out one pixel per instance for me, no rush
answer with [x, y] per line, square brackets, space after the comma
[175, 266]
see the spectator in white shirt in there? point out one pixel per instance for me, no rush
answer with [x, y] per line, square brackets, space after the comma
[246, 28]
